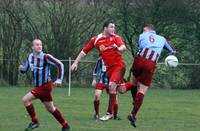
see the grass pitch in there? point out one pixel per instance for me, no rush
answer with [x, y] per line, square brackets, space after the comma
[162, 110]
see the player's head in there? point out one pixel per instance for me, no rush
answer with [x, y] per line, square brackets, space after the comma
[109, 27]
[149, 27]
[37, 45]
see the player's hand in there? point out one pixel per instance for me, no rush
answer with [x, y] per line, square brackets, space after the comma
[74, 66]
[57, 83]
[94, 83]
[21, 67]
[114, 46]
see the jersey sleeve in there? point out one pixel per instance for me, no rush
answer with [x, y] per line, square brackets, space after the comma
[89, 45]
[169, 48]
[56, 63]
[26, 66]
[119, 41]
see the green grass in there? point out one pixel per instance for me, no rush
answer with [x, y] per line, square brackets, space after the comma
[162, 110]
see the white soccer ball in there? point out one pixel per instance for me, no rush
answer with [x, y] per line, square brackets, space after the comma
[171, 61]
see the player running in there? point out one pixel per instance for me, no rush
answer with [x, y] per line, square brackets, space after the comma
[150, 47]
[39, 63]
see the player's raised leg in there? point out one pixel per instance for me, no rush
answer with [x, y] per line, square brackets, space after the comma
[124, 87]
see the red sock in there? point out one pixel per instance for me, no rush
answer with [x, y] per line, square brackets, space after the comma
[129, 85]
[31, 111]
[116, 110]
[60, 118]
[133, 93]
[112, 101]
[137, 104]
[96, 107]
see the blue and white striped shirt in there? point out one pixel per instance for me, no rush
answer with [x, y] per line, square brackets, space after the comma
[151, 45]
[40, 67]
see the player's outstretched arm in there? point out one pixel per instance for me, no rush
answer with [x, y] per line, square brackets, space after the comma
[169, 48]
[60, 68]
[78, 59]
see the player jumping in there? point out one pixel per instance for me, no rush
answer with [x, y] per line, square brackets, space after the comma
[150, 47]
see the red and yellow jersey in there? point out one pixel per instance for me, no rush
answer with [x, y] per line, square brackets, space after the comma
[104, 44]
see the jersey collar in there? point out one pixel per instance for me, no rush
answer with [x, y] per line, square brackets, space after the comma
[41, 54]
[154, 32]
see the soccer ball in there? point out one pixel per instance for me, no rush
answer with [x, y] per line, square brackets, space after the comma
[171, 61]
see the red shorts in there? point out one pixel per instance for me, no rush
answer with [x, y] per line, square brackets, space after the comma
[143, 69]
[43, 92]
[116, 72]
[101, 86]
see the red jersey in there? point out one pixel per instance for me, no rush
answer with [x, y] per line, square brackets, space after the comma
[104, 44]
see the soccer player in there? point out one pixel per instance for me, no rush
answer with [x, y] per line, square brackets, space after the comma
[150, 47]
[109, 46]
[39, 63]
[100, 82]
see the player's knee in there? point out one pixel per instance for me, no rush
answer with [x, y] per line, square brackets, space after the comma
[122, 89]
[25, 100]
[142, 88]
[112, 88]
[98, 94]
[51, 109]
[97, 97]
[112, 92]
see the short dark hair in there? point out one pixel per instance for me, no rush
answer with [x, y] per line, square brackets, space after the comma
[37, 39]
[150, 26]
[107, 23]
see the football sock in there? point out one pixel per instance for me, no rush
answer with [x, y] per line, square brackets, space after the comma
[116, 110]
[96, 106]
[60, 118]
[31, 111]
[133, 93]
[137, 104]
[112, 101]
